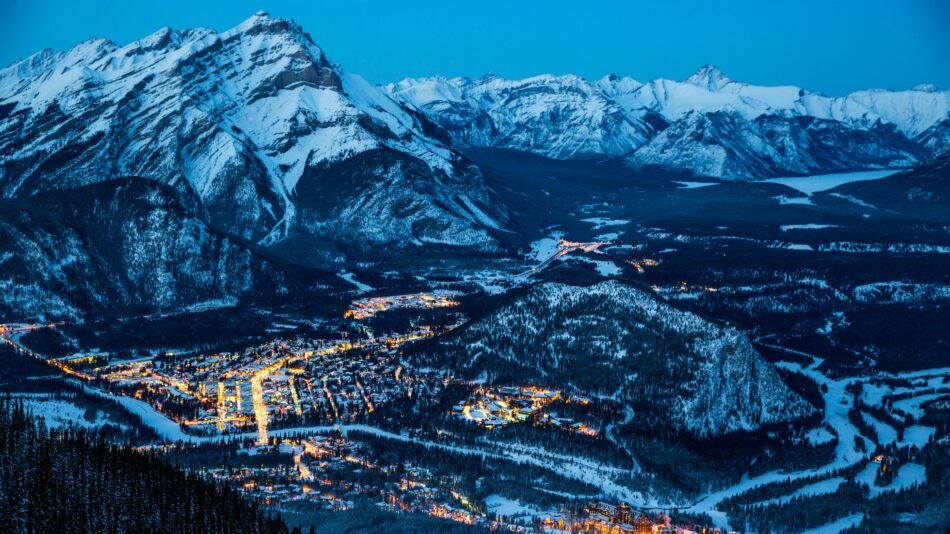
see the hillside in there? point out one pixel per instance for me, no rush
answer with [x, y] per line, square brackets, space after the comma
[69, 481]
[674, 369]
[123, 246]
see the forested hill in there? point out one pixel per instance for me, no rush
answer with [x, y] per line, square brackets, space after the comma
[64, 481]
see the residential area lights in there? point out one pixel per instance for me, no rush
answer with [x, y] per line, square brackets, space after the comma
[319, 476]
[498, 407]
[369, 307]
[340, 378]
[640, 265]
[260, 386]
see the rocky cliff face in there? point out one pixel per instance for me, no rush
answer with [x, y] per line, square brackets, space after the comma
[117, 248]
[707, 125]
[256, 121]
[671, 367]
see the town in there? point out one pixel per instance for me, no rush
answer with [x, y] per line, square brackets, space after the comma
[261, 398]
[333, 472]
[369, 307]
[284, 381]
[497, 407]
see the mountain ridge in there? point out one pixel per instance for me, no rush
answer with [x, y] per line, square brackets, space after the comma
[621, 118]
[239, 117]
[125, 246]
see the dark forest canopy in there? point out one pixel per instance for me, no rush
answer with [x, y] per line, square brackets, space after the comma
[69, 480]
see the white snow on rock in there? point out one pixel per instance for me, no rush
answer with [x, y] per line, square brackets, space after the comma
[808, 226]
[601, 222]
[694, 185]
[248, 118]
[782, 199]
[708, 124]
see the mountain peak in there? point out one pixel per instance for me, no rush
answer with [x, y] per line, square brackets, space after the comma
[614, 84]
[163, 38]
[926, 88]
[710, 77]
[264, 22]
[260, 17]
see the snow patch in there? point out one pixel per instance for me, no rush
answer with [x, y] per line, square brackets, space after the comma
[822, 182]
[808, 226]
[351, 278]
[694, 185]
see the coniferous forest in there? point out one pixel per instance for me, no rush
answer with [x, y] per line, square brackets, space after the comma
[68, 480]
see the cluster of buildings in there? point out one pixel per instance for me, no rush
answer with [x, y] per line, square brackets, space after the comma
[641, 265]
[330, 472]
[369, 307]
[500, 406]
[887, 468]
[271, 487]
[605, 518]
[326, 472]
[313, 380]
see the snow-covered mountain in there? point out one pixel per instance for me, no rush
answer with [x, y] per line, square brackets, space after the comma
[707, 125]
[122, 246]
[674, 369]
[274, 139]
[561, 117]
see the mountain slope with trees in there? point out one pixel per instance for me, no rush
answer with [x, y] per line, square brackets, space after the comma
[65, 481]
[675, 370]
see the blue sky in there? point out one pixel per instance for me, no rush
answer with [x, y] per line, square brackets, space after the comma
[830, 46]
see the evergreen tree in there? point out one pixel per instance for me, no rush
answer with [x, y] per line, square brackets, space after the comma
[70, 480]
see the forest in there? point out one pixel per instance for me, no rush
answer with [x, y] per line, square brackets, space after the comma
[71, 480]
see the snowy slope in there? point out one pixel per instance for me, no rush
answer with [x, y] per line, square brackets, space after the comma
[673, 368]
[708, 124]
[118, 247]
[563, 117]
[245, 119]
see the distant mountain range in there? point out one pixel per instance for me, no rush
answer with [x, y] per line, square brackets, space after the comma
[708, 125]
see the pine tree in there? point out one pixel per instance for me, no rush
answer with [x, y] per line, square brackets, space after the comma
[55, 480]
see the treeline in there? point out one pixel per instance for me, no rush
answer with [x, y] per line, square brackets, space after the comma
[69, 480]
[207, 331]
[923, 507]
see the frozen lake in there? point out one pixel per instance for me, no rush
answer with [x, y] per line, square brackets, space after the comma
[822, 182]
